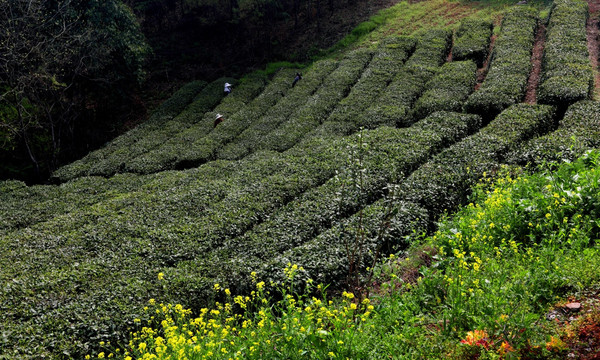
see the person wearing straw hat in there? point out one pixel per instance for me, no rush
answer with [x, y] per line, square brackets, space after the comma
[227, 89]
[218, 120]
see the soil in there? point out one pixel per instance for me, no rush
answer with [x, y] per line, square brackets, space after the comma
[593, 42]
[482, 72]
[580, 328]
[536, 65]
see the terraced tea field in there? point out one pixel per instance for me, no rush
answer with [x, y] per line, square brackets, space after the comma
[386, 136]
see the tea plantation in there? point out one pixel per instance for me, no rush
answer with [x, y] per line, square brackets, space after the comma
[369, 150]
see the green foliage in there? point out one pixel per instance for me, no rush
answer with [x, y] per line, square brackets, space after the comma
[249, 140]
[447, 90]
[393, 108]
[577, 132]
[316, 110]
[87, 55]
[472, 41]
[205, 148]
[567, 72]
[444, 183]
[387, 61]
[486, 276]
[182, 108]
[432, 49]
[506, 79]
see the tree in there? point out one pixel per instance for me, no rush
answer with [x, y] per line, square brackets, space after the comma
[56, 58]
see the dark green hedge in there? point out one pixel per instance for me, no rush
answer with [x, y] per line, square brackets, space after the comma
[472, 41]
[448, 90]
[164, 157]
[393, 107]
[197, 92]
[249, 140]
[567, 74]
[577, 132]
[386, 64]
[443, 183]
[510, 66]
[311, 114]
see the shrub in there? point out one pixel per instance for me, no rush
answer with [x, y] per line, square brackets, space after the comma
[385, 155]
[335, 87]
[239, 119]
[248, 141]
[393, 107]
[448, 90]
[432, 50]
[506, 80]
[577, 132]
[567, 74]
[387, 62]
[472, 41]
[444, 182]
[166, 111]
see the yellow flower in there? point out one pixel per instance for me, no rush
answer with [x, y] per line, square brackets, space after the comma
[101, 355]
[228, 292]
[217, 287]
[161, 276]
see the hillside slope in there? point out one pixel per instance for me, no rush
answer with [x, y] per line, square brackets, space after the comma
[391, 133]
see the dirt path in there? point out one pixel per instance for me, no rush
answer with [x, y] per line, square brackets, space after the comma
[482, 72]
[536, 65]
[593, 43]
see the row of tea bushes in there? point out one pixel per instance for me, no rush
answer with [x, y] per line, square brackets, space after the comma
[183, 130]
[443, 183]
[204, 100]
[510, 66]
[394, 105]
[416, 202]
[374, 158]
[22, 205]
[567, 74]
[389, 59]
[448, 90]
[249, 140]
[472, 41]
[171, 219]
[388, 154]
[432, 50]
[310, 115]
[165, 156]
[577, 132]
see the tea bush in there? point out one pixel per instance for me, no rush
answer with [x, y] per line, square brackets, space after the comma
[393, 107]
[182, 132]
[472, 41]
[444, 182]
[385, 155]
[238, 120]
[577, 132]
[173, 106]
[335, 87]
[567, 74]
[448, 90]
[387, 62]
[510, 65]
[248, 141]
[432, 49]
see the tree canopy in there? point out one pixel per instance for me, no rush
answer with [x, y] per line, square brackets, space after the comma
[61, 60]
